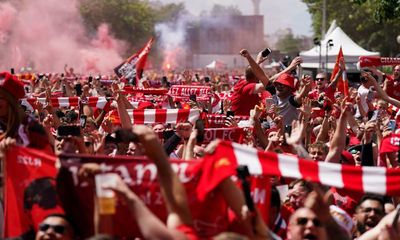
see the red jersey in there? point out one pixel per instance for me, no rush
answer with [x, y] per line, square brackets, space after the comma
[329, 92]
[393, 89]
[243, 99]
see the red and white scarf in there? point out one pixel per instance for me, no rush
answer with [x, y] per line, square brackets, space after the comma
[227, 156]
[151, 116]
[96, 102]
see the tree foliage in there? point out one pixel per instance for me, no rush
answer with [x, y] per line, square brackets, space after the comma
[130, 20]
[373, 24]
[289, 44]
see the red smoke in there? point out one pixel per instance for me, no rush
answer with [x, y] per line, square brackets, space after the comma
[47, 34]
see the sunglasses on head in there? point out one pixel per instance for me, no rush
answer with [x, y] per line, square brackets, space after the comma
[302, 221]
[60, 229]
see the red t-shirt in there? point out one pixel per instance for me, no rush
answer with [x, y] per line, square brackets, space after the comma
[329, 92]
[243, 99]
[189, 231]
[393, 89]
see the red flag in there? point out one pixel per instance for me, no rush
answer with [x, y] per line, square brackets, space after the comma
[366, 61]
[132, 68]
[30, 192]
[343, 84]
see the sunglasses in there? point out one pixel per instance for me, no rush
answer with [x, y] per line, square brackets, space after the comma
[88, 144]
[60, 229]
[302, 221]
[319, 79]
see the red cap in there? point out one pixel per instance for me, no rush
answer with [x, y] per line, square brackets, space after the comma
[12, 84]
[349, 158]
[286, 79]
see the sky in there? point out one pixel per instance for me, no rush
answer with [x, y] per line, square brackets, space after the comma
[278, 14]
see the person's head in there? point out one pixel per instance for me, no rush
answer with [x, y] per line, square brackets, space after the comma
[356, 153]
[158, 128]
[11, 113]
[89, 143]
[55, 227]
[320, 80]
[250, 76]
[396, 72]
[369, 211]
[284, 85]
[318, 151]
[304, 224]
[298, 192]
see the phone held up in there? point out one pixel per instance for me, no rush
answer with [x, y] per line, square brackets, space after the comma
[265, 52]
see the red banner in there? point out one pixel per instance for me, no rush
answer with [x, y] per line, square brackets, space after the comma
[235, 134]
[365, 61]
[187, 90]
[141, 176]
[30, 192]
[218, 120]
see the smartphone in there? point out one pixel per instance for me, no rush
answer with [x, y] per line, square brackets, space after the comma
[78, 89]
[68, 130]
[125, 136]
[288, 129]
[243, 173]
[230, 113]
[392, 125]
[266, 52]
[193, 97]
[199, 125]
[12, 71]
[83, 121]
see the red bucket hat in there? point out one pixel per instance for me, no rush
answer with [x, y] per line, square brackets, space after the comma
[12, 85]
[286, 79]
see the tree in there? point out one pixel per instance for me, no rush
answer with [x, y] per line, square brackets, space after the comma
[130, 20]
[370, 23]
[221, 10]
[289, 44]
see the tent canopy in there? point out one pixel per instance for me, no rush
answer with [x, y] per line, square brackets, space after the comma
[351, 51]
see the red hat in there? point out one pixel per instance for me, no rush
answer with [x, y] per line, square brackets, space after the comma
[286, 79]
[12, 84]
[348, 158]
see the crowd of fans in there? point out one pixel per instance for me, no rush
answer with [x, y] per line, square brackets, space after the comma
[290, 114]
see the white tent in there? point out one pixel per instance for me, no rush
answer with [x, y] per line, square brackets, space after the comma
[351, 50]
[216, 65]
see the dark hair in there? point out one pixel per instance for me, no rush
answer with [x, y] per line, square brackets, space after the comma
[249, 74]
[67, 219]
[374, 197]
[306, 185]
[275, 198]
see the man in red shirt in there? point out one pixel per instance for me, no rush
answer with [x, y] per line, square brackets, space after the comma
[322, 87]
[392, 83]
[246, 92]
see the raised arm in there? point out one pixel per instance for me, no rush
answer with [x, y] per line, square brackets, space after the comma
[260, 74]
[339, 137]
[172, 189]
[296, 61]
